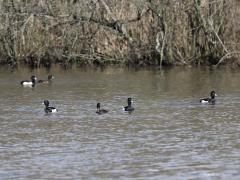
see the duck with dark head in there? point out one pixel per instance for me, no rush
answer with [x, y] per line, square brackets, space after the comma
[209, 100]
[50, 78]
[129, 107]
[49, 109]
[99, 110]
[31, 83]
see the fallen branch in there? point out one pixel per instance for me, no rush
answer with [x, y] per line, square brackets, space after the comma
[216, 34]
[226, 56]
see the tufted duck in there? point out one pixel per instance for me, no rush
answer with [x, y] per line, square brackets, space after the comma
[129, 106]
[50, 78]
[210, 100]
[100, 111]
[29, 83]
[49, 109]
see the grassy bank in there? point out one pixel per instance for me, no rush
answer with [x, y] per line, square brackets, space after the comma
[138, 32]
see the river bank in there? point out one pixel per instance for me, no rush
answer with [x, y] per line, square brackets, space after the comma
[106, 32]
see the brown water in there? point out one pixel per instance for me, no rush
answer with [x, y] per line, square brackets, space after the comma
[168, 136]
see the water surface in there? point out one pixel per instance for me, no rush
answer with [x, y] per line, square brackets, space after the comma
[169, 135]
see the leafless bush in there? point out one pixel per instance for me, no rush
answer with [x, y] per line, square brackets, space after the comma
[143, 32]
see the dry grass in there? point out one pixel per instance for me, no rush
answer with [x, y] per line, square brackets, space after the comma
[142, 32]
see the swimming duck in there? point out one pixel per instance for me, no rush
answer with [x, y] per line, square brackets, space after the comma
[49, 109]
[209, 100]
[129, 106]
[50, 78]
[29, 83]
[100, 111]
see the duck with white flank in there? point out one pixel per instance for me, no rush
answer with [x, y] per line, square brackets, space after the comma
[49, 109]
[30, 83]
[209, 100]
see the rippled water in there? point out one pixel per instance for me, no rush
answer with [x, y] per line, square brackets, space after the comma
[168, 136]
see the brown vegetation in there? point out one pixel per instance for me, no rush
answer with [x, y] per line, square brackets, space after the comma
[142, 32]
